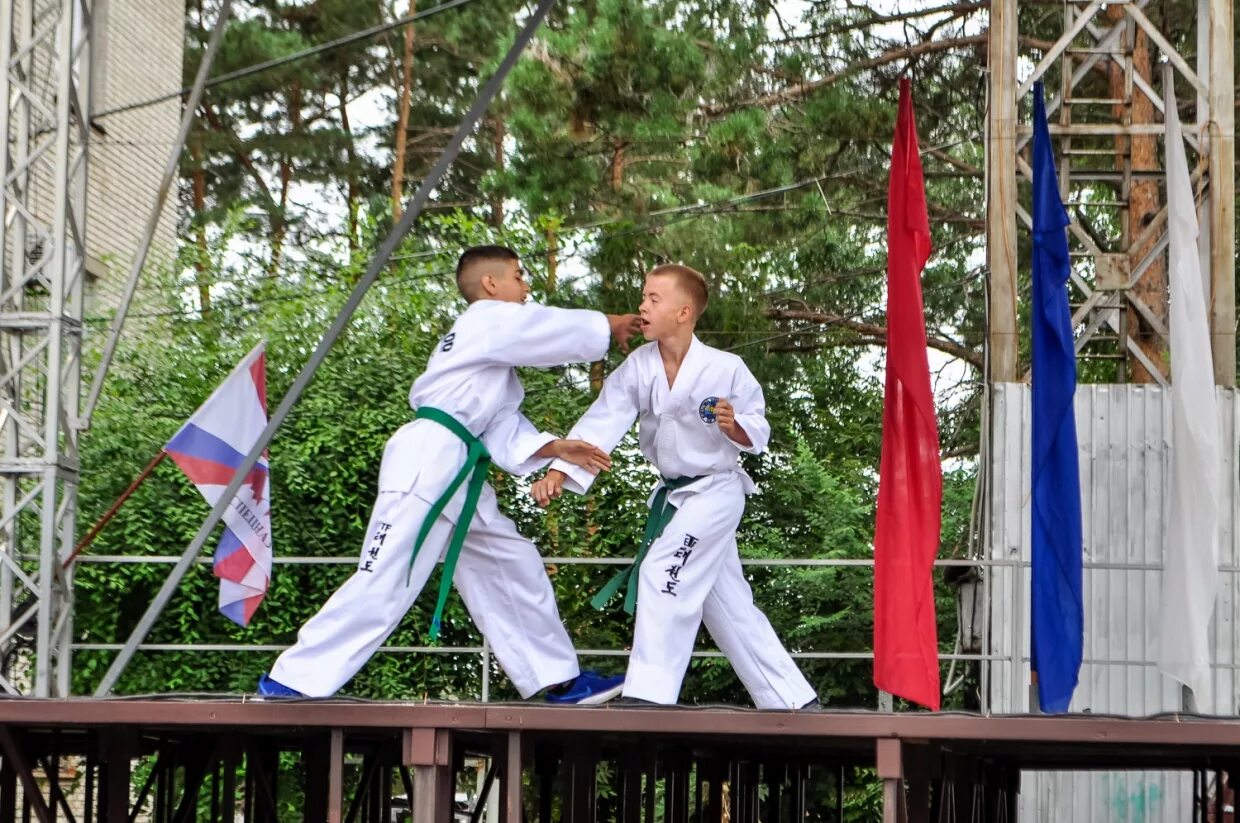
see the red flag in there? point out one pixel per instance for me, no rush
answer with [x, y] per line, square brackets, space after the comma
[910, 480]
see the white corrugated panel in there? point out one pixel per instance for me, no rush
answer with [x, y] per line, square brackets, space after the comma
[1124, 440]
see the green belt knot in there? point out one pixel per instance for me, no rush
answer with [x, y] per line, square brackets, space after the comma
[661, 513]
[477, 461]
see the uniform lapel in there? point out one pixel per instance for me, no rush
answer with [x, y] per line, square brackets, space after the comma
[690, 370]
[658, 386]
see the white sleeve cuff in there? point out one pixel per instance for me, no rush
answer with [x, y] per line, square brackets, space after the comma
[529, 463]
[753, 430]
[578, 480]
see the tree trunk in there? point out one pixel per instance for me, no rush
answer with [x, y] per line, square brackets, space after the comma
[553, 263]
[617, 165]
[402, 120]
[351, 191]
[280, 229]
[1143, 204]
[498, 132]
[617, 182]
[201, 257]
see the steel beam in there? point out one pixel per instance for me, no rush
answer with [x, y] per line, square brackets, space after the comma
[20, 761]
[1218, 22]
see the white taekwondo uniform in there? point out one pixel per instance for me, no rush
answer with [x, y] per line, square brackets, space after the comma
[692, 571]
[500, 574]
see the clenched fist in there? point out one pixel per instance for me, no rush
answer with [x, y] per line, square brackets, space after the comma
[725, 418]
[548, 488]
[623, 328]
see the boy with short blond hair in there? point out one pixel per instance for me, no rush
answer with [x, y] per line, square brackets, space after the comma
[697, 409]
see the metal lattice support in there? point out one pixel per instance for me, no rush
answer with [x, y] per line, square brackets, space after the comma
[45, 49]
[1110, 170]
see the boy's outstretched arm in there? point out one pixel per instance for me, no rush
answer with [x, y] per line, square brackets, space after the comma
[519, 448]
[529, 334]
[605, 423]
[516, 444]
[578, 452]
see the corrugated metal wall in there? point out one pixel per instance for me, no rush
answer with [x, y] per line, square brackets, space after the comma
[1124, 441]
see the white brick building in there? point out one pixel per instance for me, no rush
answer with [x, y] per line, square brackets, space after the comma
[138, 55]
[138, 49]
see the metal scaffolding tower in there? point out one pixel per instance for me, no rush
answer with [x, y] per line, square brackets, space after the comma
[45, 48]
[1103, 102]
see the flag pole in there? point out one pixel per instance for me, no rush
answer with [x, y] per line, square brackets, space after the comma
[90, 536]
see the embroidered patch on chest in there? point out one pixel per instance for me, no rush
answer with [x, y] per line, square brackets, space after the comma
[706, 409]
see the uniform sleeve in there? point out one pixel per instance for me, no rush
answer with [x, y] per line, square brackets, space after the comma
[750, 408]
[529, 334]
[512, 441]
[605, 423]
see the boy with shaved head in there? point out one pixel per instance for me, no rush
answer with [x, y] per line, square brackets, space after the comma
[434, 501]
[697, 409]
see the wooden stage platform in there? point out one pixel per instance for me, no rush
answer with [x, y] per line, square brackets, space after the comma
[172, 758]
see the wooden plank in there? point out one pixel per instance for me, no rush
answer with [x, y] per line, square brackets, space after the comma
[433, 783]
[511, 811]
[1001, 194]
[1222, 162]
[335, 776]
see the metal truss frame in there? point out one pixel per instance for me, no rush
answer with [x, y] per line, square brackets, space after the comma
[45, 98]
[1112, 266]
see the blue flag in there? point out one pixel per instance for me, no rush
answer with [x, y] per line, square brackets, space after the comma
[1058, 616]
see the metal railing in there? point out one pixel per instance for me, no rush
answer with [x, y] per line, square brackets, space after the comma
[482, 650]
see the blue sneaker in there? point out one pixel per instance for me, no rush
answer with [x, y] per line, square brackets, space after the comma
[588, 689]
[268, 687]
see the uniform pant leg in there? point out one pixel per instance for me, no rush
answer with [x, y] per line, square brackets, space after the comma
[504, 583]
[674, 581]
[746, 638]
[334, 644]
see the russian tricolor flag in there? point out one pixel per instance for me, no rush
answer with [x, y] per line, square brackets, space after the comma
[209, 448]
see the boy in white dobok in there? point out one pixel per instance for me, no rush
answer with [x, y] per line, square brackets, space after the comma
[698, 408]
[434, 501]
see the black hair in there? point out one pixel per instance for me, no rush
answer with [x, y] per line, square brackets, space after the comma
[478, 254]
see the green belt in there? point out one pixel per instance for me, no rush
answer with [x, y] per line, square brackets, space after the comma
[477, 459]
[661, 513]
